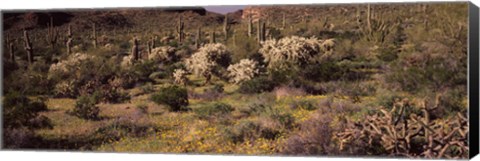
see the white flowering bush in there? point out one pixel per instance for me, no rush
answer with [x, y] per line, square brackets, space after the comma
[292, 50]
[85, 74]
[243, 71]
[164, 53]
[180, 76]
[69, 65]
[207, 59]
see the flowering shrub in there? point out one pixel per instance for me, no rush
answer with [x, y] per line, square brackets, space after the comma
[207, 59]
[245, 70]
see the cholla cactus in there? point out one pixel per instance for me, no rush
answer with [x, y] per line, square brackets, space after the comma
[127, 61]
[296, 50]
[65, 88]
[203, 62]
[69, 65]
[180, 76]
[164, 53]
[245, 70]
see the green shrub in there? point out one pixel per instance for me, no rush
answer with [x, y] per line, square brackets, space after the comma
[214, 110]
[85, 107]
[250, 130]
[303, 104]
[264, 111]
[142, 108]
[144, 69]
[322, 72]
[110, 95]
[19, 111]
[257, 85]
[175, 97]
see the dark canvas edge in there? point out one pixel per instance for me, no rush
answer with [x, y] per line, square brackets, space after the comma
[473, 63]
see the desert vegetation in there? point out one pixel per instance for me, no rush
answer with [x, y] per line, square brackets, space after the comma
[386, 80]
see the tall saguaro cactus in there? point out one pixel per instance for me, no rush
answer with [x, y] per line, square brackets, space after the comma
[198, 38]
[69, 40]
[226, 27]
[135, 49]
[52, 34]
[94, 36]
[28, 46]
[11, 47]
[369, 18]
[250, 25]
[180, 29]
[284, 21]
[260, 31]
[212, 36]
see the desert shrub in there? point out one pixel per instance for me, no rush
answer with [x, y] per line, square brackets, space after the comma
[286, 91]
[303, 104]
[215, 110]
[17, 138]
[20, 111]
[85, 107]
[454, 100]
[31, 80]
[147, 88]
[245, 70]
[257, 85]
[175, 97]
[157, 75]
[388, 54]
[322, 72]
[142, 108]
[314, 137]
[143, 69]
[209, 94]
[428, 71]
[250, 130]
[111, 95]
[285, 120]
[209, 60]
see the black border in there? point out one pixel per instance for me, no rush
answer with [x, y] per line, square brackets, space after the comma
[473, 96]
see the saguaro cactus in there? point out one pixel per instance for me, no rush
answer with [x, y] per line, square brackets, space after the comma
[52, 34]
[198, 38]
[250, 25]
[226, 27]
[179, 29]
[94, 36]
[263, 32]
[284, 21]
[259, 30]
[212, 36]
[69, 40]
[135, 49]
[369, 23]
[28, 46]
[11, 47]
